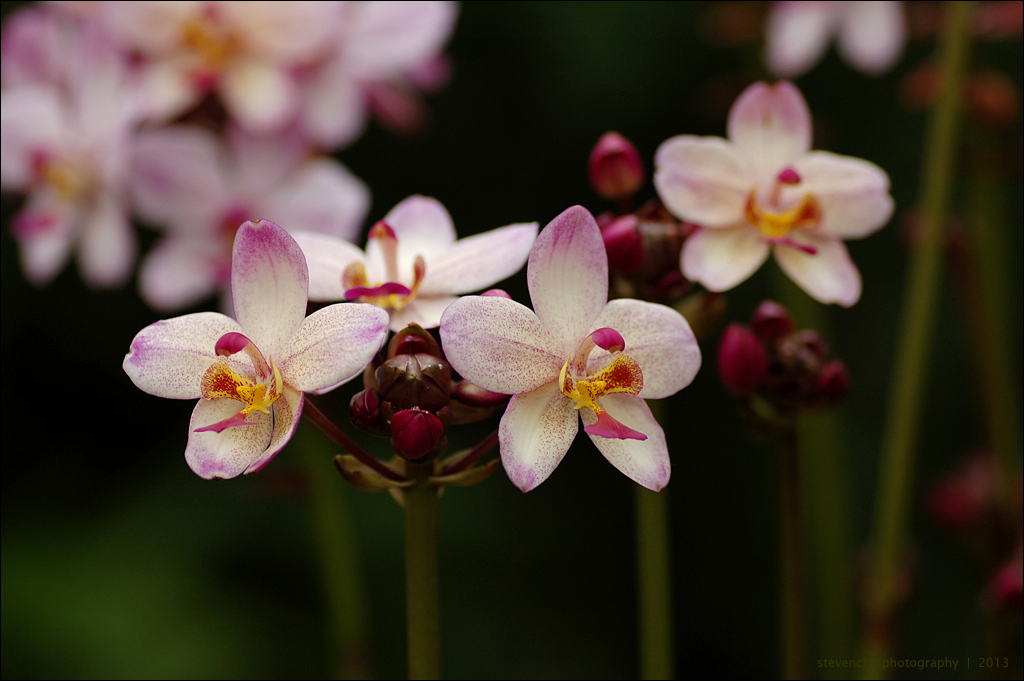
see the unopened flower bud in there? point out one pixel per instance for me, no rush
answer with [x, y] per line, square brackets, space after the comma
[624, 244]
[364, 410]
[421, 380]
[496, 293]
[615, 169]
[771, 321]
[416, 433]
[833, 382]
[1007, 586]
[742, 361]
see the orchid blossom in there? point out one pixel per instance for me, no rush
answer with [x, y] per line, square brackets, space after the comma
[413, 266]
[200, 189]
[870, 35]
[575, 352]
[66, 124]
[250, 375]
[764, 190]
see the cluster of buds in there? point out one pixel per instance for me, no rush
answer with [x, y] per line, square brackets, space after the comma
[644, 245]
[789, 370]
[410, 397]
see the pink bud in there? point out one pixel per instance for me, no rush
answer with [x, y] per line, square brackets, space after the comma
[414, 433]
[771, 321]
[496, 293]
[742, 361]
[1007, 586]
[615, 169]
[624, 244]
[833, 382]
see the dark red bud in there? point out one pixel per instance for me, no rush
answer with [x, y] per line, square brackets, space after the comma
[364, 410]
[771, 321]
[742, 361]
[413, 340]
[624, 244]
[1007, 586]
[833, 382]
[475, 396]
[615, 169]
[416, 433]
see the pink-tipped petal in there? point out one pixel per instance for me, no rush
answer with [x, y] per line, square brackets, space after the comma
[798, 34]
[770, 126]
[480, 261]
[853, 193]
[535, 433]
[227, 453]
[269, 284]
[645, 462]
[702, 180]
[658, 338]
[168, 358]
[333, 345]
[873, 35]
[327, 257]
[829, 276]
[499, 345]
[722, 258]
[568, 277]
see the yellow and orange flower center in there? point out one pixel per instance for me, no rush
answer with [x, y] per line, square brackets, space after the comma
[221, 381]
[775, 222]
[209, 43]
[390, 294]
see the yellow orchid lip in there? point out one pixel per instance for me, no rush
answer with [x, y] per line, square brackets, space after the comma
[623, 375]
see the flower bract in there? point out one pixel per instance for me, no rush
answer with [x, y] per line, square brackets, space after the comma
[574, 353]
[250, 374]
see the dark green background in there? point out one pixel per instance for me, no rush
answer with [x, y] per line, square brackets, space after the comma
[118, 561]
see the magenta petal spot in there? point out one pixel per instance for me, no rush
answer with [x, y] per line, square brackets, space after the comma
[236, 420]
[786, 241]
[789, 176]
[496, 293]
[608, 427]
[609, 339]
[390, 288]
[230, 343]
[382, 230]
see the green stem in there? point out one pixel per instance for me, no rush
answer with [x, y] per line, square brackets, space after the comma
[914, 339]
[339, 557]
[792, 557]
[654, 578]
[422, 584]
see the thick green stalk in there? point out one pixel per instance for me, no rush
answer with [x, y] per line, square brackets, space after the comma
[654, 578]
[792, 560]
[914, 339]
[340, 560]
[422, 584]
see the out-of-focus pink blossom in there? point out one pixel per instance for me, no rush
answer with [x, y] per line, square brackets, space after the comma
[382, 52]
[200, 189]
[246, 52]
[68, 113]
[869, 35]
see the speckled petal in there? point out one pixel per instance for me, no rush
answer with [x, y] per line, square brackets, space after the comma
[287, 412]
[269, 284]
[568, 277]
[333, 345]
[480, 261]
[535, 433]
[168, 358]
[645, 462]
[499, 345]
[231, 451]
[658, 338]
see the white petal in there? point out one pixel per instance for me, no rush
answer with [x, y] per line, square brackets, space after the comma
[107, 252]
[568, 277]
[702, 180]
[168, 358]
[287, 412]
[45, 250]
[722, 258]
[424, 311]
[259, 95]
[269, 285]
[31, 120]
[423, 227]
[829, 276]
[333, 345]
[535, 433]
[771, 127]
[480, 261]
[797, 35]
[645, 462]
[327, 257]
[320, 196]
[499, 345]
[658, 338]
[181, 271]
[334, 107]
[230, 452]
[873, 35]
[389, 38]
[854, 194]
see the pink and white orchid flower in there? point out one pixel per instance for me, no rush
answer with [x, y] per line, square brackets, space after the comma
[764, 190]
[574, 352]
[187, 180]
[413, 266]
[250, 375]
[871, 35]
